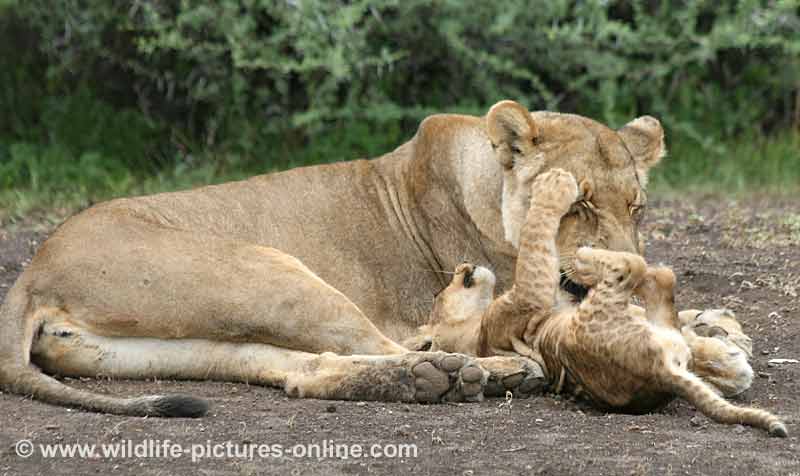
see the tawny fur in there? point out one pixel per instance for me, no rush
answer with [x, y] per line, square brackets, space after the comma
[341, 257]
[601, 348]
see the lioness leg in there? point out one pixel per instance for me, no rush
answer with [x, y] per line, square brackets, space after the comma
[411, 377]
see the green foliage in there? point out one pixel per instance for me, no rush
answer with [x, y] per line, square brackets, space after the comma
[237, 67]
[748, 164]
[131, 90]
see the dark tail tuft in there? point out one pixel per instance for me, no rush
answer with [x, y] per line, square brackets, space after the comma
[177, 406]
[778, 429]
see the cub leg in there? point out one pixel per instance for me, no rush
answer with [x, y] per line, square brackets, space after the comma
[512, 319]
[657, 289]
[454, 326]
[613, 277]
[715, 359]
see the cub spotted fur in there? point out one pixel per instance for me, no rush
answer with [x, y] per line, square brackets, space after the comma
[602, 347]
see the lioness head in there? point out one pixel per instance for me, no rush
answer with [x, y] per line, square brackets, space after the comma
[610, 167]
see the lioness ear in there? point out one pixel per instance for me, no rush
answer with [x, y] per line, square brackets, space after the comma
[644, 138]
[511, 130]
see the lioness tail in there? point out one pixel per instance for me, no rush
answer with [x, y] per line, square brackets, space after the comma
[18, 375]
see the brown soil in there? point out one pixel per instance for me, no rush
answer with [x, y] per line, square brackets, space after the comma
[741, 255]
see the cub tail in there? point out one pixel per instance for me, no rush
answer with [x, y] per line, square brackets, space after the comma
[699, 394]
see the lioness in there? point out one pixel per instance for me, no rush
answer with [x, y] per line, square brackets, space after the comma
[600, 348]
[192, 285]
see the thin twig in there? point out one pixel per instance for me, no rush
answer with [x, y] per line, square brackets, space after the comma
[512, 450]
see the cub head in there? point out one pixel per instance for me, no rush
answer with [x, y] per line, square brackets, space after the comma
[469, 294]
[610, 167]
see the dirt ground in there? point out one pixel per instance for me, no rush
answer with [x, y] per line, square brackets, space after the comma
[743, 255]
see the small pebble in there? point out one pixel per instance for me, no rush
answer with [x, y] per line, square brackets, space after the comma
[764, 375]
[696, 421]
[330, 409]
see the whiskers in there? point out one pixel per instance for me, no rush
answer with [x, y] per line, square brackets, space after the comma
[440, 271]
[565, 266]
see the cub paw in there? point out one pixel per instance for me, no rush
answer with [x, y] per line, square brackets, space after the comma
[521, 376]
[720, 350]
[657, 285]
[717, 323]
[617, 269]
[555, 189]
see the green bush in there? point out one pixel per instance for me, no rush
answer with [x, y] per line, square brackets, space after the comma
[239, 69]
[249, 85]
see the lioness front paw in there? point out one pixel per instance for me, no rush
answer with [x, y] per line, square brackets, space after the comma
[447, 377]
[425, 377]
[555, 189]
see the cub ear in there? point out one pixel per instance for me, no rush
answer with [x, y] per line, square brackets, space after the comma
[511, 130]
[644, 138]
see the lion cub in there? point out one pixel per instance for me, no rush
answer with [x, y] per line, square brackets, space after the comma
[602, 348]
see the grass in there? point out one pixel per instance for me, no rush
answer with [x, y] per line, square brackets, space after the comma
[759, 164]
[64, 153]
[57, 185]
[51, 182]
